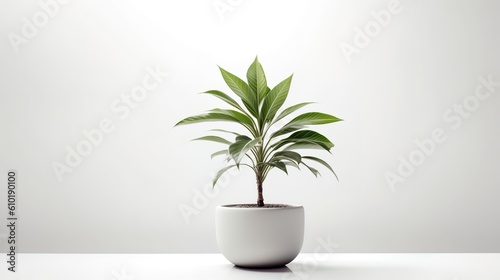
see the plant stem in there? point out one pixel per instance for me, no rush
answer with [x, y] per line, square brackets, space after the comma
[260, 168]
[260, 198]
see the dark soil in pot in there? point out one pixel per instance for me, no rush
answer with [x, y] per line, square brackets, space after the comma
[255, 206]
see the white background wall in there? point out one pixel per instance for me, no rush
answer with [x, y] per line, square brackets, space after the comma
[125, 195]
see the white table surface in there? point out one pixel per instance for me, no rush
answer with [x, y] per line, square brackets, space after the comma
[214, 266]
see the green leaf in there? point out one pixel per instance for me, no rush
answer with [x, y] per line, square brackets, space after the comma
[238, 149]
[237, 146]
[240, 137]
[324, 163]
[225, 131]
[208, 117]
[226, 98]
[213, 139]
[241, 89]
[285, 130]
[306, 145]
[235, 114]
[287, 162]
[275, 99]
[313, 170]
[220, 172]
[221, 152]
[305, 136]
[290, 155]
[280, 165]
[290, 110]
[310, 135]
[299, 122]
[313, 118]
[257, 79]
[246, 148]
[291, 163]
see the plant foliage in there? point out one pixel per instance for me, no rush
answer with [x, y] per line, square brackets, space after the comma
[258, 111]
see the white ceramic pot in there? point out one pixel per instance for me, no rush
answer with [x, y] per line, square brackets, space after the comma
[260, 237]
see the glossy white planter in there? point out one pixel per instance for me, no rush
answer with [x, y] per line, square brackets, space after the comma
[260, 237]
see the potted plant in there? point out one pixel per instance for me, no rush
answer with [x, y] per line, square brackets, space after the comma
[262, 235]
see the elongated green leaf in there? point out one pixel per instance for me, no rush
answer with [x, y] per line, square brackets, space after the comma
[293, 156]
[235, 114]
[248, 147]
[310, 135]
[225, 131]
[208, 117]
[219, 153]
[241, 89]
[305, 136]
[213, 139]
[290, 110]
[287, 161]
[313, 170]
[275, 99]
[226, 98]
[235, 148]
[242, 138]
[324, 163]
[257, 79]
[292, 163]
[280, 165]
[285, 130]
[220, 172]
[238, 149]
[313, 118]
[306, 145]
